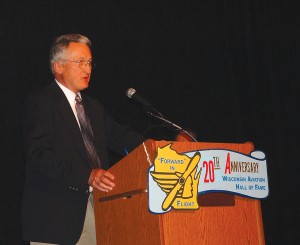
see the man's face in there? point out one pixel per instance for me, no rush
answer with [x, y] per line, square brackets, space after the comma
[69, 73]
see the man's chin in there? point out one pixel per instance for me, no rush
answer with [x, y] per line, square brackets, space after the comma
[85, 86]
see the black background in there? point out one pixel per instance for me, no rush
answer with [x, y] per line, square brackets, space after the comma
[226, 69]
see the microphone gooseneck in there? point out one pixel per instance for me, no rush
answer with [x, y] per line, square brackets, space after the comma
[174, 125]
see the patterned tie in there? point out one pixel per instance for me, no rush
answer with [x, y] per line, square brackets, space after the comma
[87, 133]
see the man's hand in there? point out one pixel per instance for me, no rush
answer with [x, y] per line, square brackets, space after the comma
[102, 180]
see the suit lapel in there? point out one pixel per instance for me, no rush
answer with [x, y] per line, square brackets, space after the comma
[64, 108]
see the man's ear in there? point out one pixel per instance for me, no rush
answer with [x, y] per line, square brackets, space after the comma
[57, 67]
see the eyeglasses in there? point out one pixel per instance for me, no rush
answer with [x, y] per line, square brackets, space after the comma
[82, 64]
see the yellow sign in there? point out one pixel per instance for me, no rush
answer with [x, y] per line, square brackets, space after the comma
[176, 175]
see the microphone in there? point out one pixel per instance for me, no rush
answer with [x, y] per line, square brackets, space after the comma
[131, 93]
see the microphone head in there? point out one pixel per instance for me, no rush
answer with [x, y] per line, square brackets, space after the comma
[130, 92]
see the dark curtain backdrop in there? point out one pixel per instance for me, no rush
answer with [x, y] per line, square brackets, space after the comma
[226, 69]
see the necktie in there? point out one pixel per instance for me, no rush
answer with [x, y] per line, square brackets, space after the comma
[86, 132]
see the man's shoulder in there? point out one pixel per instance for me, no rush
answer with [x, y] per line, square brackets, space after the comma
[46, 92]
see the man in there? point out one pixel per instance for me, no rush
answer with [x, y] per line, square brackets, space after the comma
[60, 127]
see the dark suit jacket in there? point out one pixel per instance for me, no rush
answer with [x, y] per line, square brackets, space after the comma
[57, 169]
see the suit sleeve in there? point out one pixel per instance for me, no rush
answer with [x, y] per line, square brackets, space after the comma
[122, 139]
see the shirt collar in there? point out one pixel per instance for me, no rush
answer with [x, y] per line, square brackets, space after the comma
[69, 94]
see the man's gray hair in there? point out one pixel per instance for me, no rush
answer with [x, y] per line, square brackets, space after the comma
[61, 43]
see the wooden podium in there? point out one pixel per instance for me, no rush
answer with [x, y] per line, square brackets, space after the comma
[122, 215]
